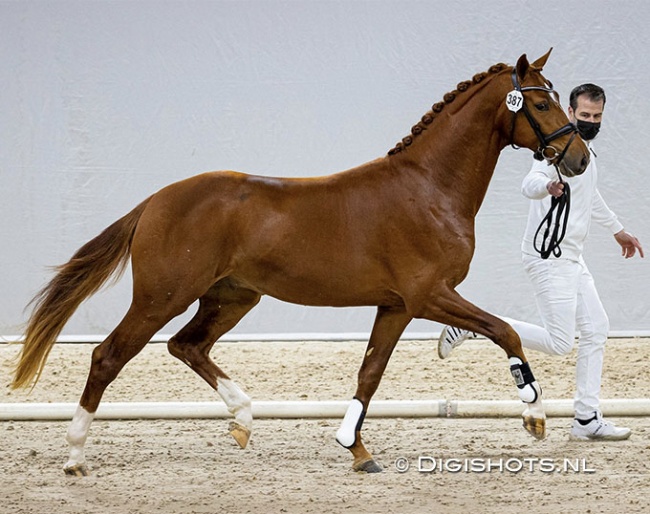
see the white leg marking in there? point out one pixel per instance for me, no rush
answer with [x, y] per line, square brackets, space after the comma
[77, 435]
[346, 434]
[535, 409]
[237, 402]
[530, 393]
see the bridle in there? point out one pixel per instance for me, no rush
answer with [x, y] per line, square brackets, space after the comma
[554, 224]
[545, 150]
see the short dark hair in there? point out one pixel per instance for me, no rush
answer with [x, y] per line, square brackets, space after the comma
[594, 92]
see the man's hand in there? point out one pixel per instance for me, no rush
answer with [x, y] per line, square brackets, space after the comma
[629, 244]
[555, 188]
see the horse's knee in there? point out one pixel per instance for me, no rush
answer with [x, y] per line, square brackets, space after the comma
[507, 338]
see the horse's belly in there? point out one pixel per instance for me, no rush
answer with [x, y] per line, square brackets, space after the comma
[321, 291]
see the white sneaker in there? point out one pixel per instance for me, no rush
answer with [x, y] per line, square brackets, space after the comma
[450, 338]
[598, 429]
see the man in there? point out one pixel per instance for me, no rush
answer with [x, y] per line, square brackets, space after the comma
[564, 289]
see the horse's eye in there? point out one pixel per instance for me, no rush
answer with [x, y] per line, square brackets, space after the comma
[543, 106]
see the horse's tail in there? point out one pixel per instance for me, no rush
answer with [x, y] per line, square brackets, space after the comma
[82, 276]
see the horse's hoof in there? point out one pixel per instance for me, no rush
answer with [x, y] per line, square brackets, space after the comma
[535, 426]
[78, 470]
[240, 433]
[368, 466]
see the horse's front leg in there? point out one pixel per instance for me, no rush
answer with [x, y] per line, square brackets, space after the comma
[450, 308]
[388, 327]
[530, 392]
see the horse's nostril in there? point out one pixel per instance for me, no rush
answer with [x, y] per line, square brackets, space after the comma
[585, 162]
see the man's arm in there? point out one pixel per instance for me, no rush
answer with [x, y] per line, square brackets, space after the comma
[604, 216]
[536, 183]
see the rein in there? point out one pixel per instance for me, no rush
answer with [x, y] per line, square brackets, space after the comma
[555, 222]
[551, 240]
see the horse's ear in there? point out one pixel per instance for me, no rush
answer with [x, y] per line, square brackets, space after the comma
[522, 67]
[539, 63]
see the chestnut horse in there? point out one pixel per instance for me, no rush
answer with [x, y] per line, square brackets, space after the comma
[396, 233]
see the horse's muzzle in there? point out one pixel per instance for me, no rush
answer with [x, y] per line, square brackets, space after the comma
[572, 166]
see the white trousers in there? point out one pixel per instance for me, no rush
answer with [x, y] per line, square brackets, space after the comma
[567, 300]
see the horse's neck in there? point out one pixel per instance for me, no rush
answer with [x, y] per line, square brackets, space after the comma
[460, 153]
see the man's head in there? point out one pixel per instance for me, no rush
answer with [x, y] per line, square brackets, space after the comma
[586, 105]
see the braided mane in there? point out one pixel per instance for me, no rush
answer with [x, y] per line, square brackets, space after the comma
[429, 116]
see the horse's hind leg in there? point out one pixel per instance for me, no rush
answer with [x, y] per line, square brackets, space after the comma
[124, 343]
[220, 309]
[388, 327]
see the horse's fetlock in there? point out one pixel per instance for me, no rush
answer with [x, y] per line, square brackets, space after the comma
[346, 435]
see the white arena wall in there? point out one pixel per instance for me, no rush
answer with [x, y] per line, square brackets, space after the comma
[103, 103]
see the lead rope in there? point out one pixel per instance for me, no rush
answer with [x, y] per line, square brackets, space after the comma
[560, 207]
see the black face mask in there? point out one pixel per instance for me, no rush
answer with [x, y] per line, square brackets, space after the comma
[587, 129]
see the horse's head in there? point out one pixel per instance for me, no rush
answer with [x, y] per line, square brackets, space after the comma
[539, 122]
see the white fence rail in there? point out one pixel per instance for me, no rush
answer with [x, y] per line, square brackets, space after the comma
[315, 409]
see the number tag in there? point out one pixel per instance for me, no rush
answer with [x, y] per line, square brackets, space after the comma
[514, 100]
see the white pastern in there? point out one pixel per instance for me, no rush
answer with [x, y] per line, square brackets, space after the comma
[535, 409]
[346, 434]
[530, 393]
[77, 435]
[237, 402]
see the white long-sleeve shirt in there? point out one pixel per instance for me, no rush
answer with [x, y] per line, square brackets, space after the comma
[586, 205]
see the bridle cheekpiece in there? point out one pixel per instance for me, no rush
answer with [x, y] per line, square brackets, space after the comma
[515, 102]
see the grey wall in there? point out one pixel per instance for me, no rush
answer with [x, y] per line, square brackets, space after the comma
[105, 102]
